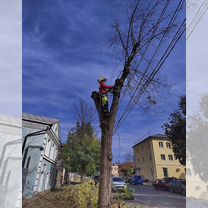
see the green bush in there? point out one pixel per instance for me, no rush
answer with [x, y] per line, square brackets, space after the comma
[127, 194]
[83, 195]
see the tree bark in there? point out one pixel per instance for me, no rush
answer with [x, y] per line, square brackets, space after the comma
[107, 130]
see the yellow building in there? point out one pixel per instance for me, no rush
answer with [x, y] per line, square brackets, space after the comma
[155, 159]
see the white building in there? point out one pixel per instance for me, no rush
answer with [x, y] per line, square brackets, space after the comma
[10, 162]
[41, 141]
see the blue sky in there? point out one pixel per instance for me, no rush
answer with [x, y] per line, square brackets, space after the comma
[65, 51]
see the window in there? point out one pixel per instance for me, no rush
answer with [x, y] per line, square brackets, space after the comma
[150, 157]
[160, 144]
[117, 179]
[143, 159]
[162, 157]
[168, 145]
[138, 160]
[142, 147]
[170, 157]
[178, 170]
[165, 172]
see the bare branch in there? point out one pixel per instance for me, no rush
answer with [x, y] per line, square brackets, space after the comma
[131, 26]
[117, 28]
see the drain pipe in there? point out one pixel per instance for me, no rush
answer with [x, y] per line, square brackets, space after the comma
[43, 131]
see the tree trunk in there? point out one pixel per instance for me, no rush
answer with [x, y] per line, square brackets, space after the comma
[107, 130]
[105, 168]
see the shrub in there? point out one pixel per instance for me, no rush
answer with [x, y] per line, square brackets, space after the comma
[83, 195]
[127, 194]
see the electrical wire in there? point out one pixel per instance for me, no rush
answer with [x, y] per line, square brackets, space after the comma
[171, 22]
[156, 70]
[198, 16]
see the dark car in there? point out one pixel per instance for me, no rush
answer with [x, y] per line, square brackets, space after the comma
[137, 180]
[178, 186]
[162, 184]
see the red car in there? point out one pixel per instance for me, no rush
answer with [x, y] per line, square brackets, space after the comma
[162, 184]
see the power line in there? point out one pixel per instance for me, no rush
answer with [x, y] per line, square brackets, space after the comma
[156, 70]
[169, 25]
[198, 16]
[175, 14]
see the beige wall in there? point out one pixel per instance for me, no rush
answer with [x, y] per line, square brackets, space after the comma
[148, 160]
[145, 160]
[175, 169]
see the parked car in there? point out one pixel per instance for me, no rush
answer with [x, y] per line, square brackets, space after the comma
[178, 186]
[118, 183]
[162, 184]
[137, 180]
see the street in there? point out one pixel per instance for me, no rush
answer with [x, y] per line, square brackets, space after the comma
[148, 197]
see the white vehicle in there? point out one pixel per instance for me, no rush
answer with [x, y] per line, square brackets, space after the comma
[118, 184]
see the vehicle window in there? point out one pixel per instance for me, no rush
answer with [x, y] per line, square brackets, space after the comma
[118, 179]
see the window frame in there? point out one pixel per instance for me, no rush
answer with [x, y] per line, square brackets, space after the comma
[161, 144]
[170, 156]
[168, 145]
[161, 157]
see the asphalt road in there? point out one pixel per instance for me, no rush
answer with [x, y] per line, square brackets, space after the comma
[148, 197]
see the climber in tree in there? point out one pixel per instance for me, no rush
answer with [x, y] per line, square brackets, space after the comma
[103, 90]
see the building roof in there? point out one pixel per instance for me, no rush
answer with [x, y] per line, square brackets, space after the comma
[9, 121]
[47, 120]
[42, 120]
[155, 136]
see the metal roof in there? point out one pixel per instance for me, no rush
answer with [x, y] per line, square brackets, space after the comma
[155, 136]
[27, 116]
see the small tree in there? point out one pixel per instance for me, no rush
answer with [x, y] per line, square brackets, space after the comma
[175, 129]
[81, 153]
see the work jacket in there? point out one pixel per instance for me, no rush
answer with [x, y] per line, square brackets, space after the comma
[103, 89]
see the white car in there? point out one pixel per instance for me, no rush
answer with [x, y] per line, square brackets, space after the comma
[118, 183]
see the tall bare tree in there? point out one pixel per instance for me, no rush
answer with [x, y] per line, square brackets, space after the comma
[137, 38]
